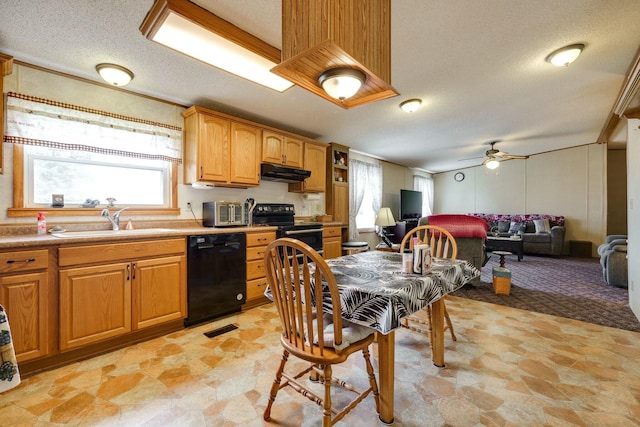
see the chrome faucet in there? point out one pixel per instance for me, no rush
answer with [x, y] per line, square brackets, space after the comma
[113, 219]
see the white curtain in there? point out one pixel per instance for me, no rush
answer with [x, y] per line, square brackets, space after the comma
[46, 123]
[425, 185]
[363, 177]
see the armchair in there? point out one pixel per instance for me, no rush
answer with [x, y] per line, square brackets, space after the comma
[613, 258]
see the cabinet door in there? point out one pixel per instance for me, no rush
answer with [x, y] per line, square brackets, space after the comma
[332, 247]
[213, 149]
[25, 299]
[246, 146]
[293, 152]
[159, 291]
[95, 304]
[272, 147]
[341, 203]
[314, 160]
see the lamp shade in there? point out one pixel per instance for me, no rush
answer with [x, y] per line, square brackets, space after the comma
[341, 83]
[492, 164]
[385, 218]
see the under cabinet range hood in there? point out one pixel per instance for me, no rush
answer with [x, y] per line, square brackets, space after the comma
[279, 173]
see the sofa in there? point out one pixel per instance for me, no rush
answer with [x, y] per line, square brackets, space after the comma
[541, 234]
[470, 234]
[613, 258]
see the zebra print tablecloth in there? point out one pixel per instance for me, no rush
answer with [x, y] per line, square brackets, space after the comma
[374, 291]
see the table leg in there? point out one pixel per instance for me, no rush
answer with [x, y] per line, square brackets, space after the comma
[437, 333]
[386, 364]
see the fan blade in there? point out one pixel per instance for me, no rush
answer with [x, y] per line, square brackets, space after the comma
[512, 156]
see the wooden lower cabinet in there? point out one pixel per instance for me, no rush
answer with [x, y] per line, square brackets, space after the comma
[95, 304]
[159, 286]
[107, 300]
[256, 280]
[332, 241]
[25, 299]
[25, 295]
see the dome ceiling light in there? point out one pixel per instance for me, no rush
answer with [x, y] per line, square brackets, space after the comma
[115, 75]
[410, 105]
[342, 83]
[566, 55]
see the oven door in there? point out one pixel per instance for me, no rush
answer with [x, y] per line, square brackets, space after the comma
[310, 236]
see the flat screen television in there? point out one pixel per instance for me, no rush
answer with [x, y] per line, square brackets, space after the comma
[410, 204]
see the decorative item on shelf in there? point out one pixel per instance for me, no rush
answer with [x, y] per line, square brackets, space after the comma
[111, 201]
[89, 203]
[57, 200]
[385, 219]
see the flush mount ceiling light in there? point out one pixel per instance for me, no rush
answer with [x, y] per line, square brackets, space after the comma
[341, 83]
[114, 74]
[492, 163]
[198, 33]
[566, 55]
[410, 105]
[321, 35]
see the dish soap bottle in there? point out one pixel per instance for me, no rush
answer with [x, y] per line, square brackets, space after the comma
[42, 224]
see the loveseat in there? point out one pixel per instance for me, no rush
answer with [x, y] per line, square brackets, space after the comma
[613, 258]
[541, 234]
[470, 234]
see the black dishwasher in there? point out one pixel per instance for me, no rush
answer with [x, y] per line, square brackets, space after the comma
[216, 276]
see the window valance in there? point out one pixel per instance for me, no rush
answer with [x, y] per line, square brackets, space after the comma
[43, 122]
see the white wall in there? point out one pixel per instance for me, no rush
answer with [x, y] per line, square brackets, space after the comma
[633, 213]
[567, 182]
[53, 86]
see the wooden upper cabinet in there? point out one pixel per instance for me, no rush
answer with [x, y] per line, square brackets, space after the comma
[219, 150]
[246, 143]
[213, 149]
[314, 160]
[282, 150]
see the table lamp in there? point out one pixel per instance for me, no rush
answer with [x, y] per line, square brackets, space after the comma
[385, 219]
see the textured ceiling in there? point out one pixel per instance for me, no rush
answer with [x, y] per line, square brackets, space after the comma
[478, 66]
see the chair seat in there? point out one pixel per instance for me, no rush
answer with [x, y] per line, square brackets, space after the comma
[355, 247]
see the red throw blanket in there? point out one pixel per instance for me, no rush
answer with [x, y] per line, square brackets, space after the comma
[461, 226]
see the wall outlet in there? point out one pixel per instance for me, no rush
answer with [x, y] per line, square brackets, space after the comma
[189, 205]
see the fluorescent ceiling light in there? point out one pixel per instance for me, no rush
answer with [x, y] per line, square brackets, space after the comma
[189, 35]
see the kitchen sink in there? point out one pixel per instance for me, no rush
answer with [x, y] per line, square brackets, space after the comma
[110, 233]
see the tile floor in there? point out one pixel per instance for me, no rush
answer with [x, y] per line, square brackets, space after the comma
[508, 368]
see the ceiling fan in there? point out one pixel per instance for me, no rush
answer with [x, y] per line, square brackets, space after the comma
[492, 155]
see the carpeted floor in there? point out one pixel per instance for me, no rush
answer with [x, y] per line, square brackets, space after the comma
[566, 287]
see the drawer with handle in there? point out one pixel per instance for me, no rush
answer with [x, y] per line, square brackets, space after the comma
[19, 261]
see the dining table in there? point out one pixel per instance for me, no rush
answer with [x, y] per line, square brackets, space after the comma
[377, 293]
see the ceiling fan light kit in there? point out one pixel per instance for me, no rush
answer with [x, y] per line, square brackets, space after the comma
[565, 55]
[115, 75]
[410, 105]
[492, 164]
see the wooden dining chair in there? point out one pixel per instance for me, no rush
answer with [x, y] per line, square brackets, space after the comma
[301, 283]
[443, 245]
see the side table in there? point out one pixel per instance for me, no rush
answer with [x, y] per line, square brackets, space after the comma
[506, 244]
